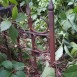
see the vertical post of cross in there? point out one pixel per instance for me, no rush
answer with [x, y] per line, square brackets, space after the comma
[51, 32]
[30, 23]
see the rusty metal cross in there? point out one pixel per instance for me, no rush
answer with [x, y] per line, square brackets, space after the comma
[49, 33]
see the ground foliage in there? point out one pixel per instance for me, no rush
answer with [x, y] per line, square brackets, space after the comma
[13, 44]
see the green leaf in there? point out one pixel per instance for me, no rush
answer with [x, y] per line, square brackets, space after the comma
[71, 71]
[20, 74]
[34, 16]
[26, 56]
[4, 73]
[18, 66]
[5, 3]
[7, 64]
[40, 65]
[5, 25]
[73, 44]
[59, 53]
[14, 12]
[13, 75]
[30, 4]
[13, 2]
[74, 50]
[75, 9]
[2, 57]
[13, 33]
[48, 71]
[70, 3]
[23, 26]
[62, 15]
[69, 22]
[22, 3]
[66, 24]
[21, 17]
[67, 51]
[71, 18]
[27, 1]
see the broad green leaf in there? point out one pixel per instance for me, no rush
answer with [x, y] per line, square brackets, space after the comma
[66, 25]
[73, 44]
[71, 18]
[13, 2]
[26, 56]
[59, 53]
[27, 1]
[71, 71]
[40, 47]
[5, 3]
[67, 51]
[2, 57]
[5, 25]
[40, 65]
[20, 74]
[62, 15]
[72, 68]
[69, 22]
[18, 66]
[70, 3]
[74, 52]
[21, 17]
[70, 11]
[48, 71]
[13, 75]
[75, 9]
[7, 64]
[13, 33]
[5, 73]
[72, 74]
[34, 16]
[53, 1]
[30, 4]
[23, 26]
[14, 12]
[22, 3]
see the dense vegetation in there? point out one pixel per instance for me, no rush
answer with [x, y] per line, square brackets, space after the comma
[13, 43]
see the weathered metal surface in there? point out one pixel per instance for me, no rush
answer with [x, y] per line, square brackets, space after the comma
[49, 33]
